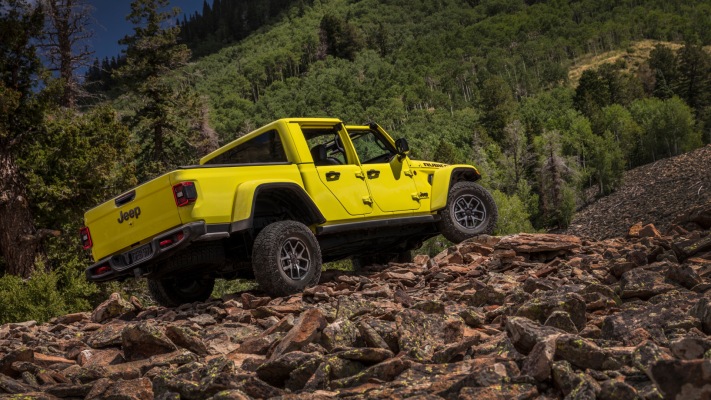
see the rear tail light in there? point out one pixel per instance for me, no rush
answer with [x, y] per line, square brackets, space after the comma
[85, 236]
[171, 240]
[102, 270]
[185, 193]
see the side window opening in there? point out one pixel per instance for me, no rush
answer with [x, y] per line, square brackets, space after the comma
[263, 149]
[371, 147]
[325, 146]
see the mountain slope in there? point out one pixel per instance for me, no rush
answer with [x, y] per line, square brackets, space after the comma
[654, 193]
[523, 316]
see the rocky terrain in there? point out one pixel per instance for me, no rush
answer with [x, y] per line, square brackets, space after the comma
[524, 316]
[661, 193]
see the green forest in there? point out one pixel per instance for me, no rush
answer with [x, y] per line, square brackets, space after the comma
[551, 100]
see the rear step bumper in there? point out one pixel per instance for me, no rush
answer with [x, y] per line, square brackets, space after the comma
[124, 264]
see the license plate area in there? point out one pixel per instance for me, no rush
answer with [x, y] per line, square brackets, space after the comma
[138, 254]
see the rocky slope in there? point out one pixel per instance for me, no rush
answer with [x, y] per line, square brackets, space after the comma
[523, 316]
[657, 193]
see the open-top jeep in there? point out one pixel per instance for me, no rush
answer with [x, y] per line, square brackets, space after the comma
[275, 204]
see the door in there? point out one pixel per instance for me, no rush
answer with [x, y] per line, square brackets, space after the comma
[337, 171]
[387, 175]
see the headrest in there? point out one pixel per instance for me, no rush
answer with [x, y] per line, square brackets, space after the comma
[318, 153]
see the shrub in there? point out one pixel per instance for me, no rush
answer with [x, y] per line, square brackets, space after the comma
[43, 296]
[513, 215]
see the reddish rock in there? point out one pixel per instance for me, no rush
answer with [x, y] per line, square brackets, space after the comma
[306, 330]
[525, 334]
[73, 318]
[114, 306]
[689, 247]
[540, 360]
[633, 231]
[250, 301]
[643, 284]
[19, 355]
[135, 389]
[143, 340]
[91, 357]
[186, 338]
[687, 380]
[538, 243]
[580, 352]
[106, 336]
[421, 333]
[649, 231]
[544, 304]
[44, 360]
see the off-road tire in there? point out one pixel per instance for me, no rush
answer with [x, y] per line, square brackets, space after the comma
[184, 277]
[470, 211]
[172, 292]
[281, 250]
[197, 258]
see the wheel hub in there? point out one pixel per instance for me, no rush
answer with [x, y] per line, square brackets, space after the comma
[468, 211]
[295, 259]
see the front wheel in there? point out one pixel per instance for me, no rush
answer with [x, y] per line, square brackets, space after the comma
[172, 292]
[470, 211]
[286, 258]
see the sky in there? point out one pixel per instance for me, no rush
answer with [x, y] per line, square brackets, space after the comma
[110, 23]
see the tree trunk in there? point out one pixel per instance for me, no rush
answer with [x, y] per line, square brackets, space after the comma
[18, 243]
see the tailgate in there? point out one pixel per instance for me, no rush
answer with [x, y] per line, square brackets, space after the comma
[132, 218]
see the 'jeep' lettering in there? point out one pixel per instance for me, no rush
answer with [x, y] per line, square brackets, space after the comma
[126, 215]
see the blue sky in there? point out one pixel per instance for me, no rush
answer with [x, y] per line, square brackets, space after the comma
[111, 25]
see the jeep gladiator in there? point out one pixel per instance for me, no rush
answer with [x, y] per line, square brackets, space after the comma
[275, 204]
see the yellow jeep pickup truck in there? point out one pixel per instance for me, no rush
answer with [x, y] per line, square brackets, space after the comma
[275, 204]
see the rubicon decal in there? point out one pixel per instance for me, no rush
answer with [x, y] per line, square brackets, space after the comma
[126, 215]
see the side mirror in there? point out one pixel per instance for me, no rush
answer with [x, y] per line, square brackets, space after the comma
[402, 147]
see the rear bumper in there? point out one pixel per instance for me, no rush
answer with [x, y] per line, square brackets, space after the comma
[124, 264]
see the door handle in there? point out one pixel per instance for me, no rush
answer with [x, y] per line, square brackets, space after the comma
[359, 175]
[332, 175]
[373, 173]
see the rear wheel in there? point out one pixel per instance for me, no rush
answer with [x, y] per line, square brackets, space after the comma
[186, 276]
[470, 211]
[172, 292]
[286, 258]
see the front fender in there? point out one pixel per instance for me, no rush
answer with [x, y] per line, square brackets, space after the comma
[444, 178]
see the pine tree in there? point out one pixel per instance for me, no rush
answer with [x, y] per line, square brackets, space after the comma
[664, 65]
[65, 43]
[152, 54]
[498, 104]
[695, 76]
[557, 195]
[20, 114]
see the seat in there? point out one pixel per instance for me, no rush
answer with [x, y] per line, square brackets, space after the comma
[320, 156]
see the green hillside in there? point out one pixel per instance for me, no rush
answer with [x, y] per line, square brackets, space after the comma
[477, 81]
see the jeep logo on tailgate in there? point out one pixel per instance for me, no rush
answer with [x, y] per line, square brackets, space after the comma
[125, 216]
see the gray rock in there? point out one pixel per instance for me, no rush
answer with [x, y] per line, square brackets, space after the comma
[525, 333]
[580, 352]
[144, 339]
[114, 306]
[561, 320]
[539, 362]
[683, 379]
[690, 347]
[542, 306]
